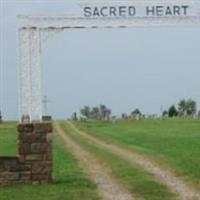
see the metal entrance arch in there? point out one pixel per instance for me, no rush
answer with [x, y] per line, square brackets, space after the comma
[34, 31]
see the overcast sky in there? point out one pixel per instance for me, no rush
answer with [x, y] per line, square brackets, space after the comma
[148, 68]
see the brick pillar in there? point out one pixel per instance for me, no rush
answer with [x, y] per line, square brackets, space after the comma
[35, 151]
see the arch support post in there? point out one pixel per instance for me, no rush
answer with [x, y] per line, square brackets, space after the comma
[29, 74]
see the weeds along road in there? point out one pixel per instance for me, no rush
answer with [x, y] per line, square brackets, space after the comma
[165, 176]
[108, 187]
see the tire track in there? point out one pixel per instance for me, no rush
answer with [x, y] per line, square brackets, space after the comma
[108, 188]
[183, 191]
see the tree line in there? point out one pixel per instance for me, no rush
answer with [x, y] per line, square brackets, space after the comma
[184, 108]
[100, 112]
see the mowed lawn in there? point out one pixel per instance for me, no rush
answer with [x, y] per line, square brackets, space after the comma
[174, 143]
[8, 139]
[70, 181]
[142, 184]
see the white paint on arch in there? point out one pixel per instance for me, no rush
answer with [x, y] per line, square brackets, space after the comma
[34, 30]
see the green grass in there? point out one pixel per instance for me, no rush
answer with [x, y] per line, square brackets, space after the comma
[70, 181]
[140, 183]
[8, 139]
[174, 142]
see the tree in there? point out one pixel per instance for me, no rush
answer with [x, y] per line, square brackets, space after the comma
[165, 113]
[124, 116]
[187, 107]
[95, 113]
[191, 107]
[136, 112]
[74, 116]
[172, 112]
[108, 113]
[85, 111]
[182, 107]
[103, 111]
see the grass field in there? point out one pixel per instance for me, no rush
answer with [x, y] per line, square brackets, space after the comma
[8, 139]
[140, 183]
[70, 181]
[175, 142]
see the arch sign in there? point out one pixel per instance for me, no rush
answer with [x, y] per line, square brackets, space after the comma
[34, 30]
[131, 11]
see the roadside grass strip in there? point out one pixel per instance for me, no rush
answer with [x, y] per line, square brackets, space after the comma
[142, 184]
[70, 182]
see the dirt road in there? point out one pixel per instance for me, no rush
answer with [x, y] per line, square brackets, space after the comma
[107, 186]
[165, 176]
